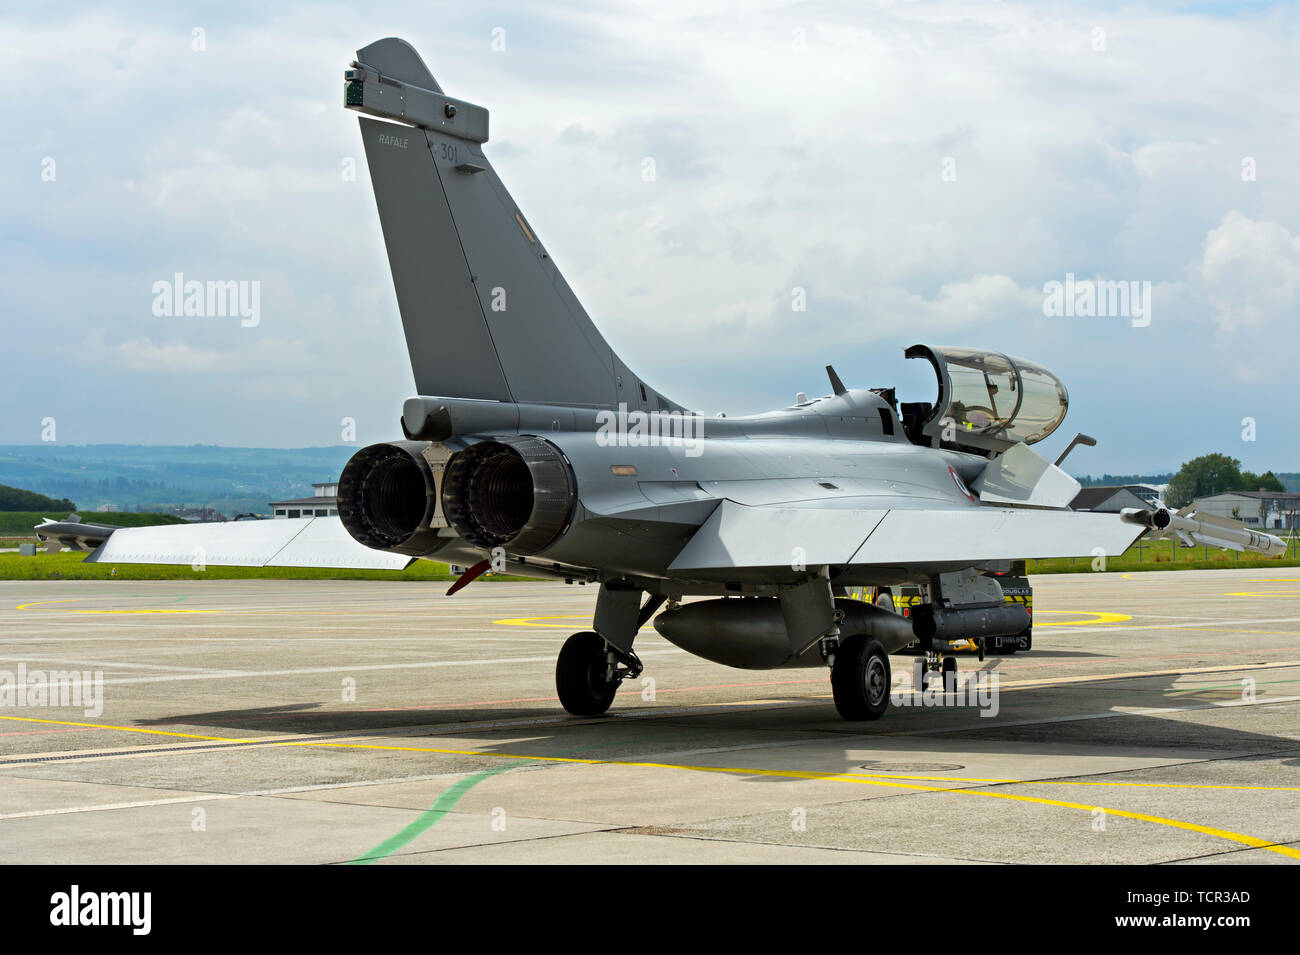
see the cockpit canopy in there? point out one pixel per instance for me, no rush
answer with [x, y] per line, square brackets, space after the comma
[987, 401]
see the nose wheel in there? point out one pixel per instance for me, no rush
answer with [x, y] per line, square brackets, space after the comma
[941, 668]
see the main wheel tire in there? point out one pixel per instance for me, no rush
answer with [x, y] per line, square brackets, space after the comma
[580, 675]
[949, 666]
[860, 678]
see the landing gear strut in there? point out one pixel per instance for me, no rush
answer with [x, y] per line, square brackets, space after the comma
[589, 671]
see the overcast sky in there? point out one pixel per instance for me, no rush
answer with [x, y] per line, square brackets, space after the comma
[921, 169]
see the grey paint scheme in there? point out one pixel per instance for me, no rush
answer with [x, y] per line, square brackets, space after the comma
[486, 312]
[781, 507]
[739, 510]
[737, 505]
[74, 534]
[744, 633]
[530, 433]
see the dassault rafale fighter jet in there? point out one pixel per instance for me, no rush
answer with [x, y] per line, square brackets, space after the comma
[532, 447]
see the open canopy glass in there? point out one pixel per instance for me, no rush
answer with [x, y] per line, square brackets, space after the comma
[989, 401]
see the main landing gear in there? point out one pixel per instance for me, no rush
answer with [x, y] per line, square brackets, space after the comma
[592, 664]
[860, 678]
[589, 671]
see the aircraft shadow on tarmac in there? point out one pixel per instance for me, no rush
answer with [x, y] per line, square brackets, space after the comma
[1035, 721]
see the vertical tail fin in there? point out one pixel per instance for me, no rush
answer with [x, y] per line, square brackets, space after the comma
[486, 312]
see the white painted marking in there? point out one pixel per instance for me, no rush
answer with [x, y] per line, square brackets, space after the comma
[1136, 711]
[109, 664]
[208, 797]
[304, 671]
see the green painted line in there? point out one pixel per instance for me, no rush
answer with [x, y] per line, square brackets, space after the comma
[448, 798]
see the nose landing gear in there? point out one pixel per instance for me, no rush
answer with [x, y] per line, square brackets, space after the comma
[937, 667]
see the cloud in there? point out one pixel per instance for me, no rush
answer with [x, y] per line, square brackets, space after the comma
[575, 134]
[172, 358]
[1251, 272]
[797, 145]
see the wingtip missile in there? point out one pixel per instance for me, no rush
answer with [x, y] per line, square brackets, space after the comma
[1209, 530]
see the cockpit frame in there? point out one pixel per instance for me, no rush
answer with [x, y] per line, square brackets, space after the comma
[966, 416]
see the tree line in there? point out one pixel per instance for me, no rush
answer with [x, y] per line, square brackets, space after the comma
[17, 499]
[1215, 474]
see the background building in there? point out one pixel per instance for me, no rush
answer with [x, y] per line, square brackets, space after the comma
[323, 503]
[1271, 510]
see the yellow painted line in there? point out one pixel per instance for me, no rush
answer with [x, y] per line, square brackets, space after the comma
[124, 729]
[230, 610]
[1076, 782]
[528, 622]
[38, 603]
[1096, 616]
[272, 741]
[146, 611]
[1237, 837]
[861, 780]
[1251, 593]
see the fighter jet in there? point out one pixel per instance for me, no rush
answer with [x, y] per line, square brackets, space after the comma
[532, 447]
[72, 532]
